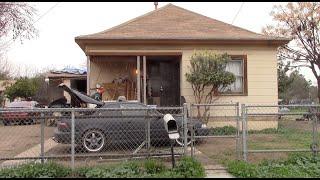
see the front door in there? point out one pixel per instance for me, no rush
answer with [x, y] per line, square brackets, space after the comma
[163, 86]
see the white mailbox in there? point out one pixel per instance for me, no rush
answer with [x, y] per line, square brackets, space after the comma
[171, 127]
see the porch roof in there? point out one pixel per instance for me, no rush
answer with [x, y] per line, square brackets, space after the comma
[171, 22]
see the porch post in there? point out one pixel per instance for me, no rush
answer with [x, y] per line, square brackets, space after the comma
[138, 78]
[144, 80]
[88, 75]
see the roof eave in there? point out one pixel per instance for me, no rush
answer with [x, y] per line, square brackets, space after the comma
[82, 42]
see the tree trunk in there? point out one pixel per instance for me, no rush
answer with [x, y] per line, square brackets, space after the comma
[318, 82]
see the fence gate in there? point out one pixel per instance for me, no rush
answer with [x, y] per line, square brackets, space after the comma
[276, 131]
[220, 138]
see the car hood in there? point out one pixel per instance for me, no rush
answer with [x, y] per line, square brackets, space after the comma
[82, 97]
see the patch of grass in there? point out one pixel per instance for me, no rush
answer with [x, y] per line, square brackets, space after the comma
[267, 131]
[297, 165]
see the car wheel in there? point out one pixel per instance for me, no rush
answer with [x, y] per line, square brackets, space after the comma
[93, 140]
[180, 141]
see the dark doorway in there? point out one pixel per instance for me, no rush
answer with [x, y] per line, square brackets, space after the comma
[163, 80]
[79, 85]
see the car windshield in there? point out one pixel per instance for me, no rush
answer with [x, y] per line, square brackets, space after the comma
[20, 104]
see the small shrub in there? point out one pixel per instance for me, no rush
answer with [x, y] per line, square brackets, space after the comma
[189, 167]
[153, 166]
[242, 169]
[36, 170]
[129, 169]
[225, 130]
[81, 172]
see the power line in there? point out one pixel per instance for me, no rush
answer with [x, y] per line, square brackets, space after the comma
[11, 41]
[237, 13]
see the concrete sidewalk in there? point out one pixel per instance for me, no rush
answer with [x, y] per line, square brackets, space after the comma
[213, 170]
[32, 152]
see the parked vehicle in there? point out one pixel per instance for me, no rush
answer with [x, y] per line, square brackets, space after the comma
[19, 118]
[119, 125]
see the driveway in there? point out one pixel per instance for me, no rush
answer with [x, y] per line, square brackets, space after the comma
[17, 139]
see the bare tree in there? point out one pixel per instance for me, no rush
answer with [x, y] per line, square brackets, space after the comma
[301, 21]
[16, 20]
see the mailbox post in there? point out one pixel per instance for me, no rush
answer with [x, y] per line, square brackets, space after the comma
[171, 127]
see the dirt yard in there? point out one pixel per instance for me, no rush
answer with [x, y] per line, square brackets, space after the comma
[19, 138]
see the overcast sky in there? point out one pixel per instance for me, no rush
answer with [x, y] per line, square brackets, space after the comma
[56, 47]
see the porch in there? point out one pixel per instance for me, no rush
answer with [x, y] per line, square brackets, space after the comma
[152, 79]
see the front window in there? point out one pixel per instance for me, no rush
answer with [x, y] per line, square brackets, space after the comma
[237, 67]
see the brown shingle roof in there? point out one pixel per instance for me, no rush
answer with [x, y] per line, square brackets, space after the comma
[175, 23]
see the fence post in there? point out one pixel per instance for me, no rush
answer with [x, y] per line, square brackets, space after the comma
[185, 127]
[192, 132]
[42, 137]
[244, 131]
[314, 147]
[72, 139]
[238, 131]
[148, 133]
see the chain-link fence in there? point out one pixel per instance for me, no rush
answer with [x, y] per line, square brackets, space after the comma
[85, 136]
[274, 131]
[89, 136]
[220, 136]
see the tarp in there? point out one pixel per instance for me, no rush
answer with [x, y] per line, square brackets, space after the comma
[71, 70]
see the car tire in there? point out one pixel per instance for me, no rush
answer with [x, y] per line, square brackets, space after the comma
[93, 140]
[180, 140]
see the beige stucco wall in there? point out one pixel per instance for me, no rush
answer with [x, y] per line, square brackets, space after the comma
[261, 69]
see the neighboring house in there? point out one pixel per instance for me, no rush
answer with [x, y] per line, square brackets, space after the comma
[76, 79]
[150, 55]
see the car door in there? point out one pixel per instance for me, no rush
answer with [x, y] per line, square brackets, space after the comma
[159, 134]
[135, 124]
[108, 119]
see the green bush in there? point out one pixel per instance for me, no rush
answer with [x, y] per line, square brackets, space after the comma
[189, 167]
[186, 167]
[129, 169]
[297, 165]
[35, 170]
[225, 130]
[153, 166]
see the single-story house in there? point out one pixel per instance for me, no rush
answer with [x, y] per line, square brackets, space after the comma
[146, 58]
